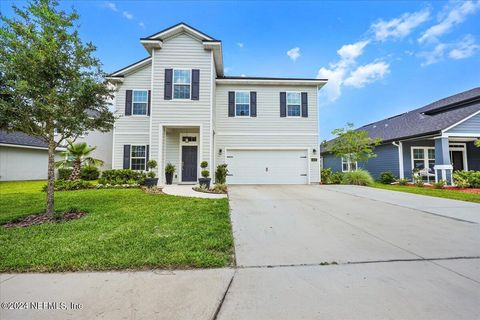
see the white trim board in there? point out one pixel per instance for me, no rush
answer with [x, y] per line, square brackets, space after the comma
[461, 121]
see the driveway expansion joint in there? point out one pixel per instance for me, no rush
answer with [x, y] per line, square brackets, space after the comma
[222, 300]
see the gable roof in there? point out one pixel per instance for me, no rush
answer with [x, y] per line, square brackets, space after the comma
[178, 28]
[18, 138]
[427, 120]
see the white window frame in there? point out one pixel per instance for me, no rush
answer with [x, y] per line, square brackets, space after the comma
[286, 104]
[249, 107]
[145, 157]
[133, 101]
[190, 84]
[349, 165]
[426, 159]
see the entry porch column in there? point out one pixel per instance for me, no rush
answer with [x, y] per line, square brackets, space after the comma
[443, 167]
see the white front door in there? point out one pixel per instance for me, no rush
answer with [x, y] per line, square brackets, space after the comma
[267, 166]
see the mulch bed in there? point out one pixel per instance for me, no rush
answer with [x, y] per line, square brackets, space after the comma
[465, 190]
[36, 219]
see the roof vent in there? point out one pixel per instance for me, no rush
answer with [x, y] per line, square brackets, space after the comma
[386, 124]
[374, 125]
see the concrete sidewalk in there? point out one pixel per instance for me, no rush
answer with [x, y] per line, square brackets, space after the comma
[455, 209]
[190, 294]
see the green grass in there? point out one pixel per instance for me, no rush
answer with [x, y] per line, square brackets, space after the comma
[441, 193]
[124, 229]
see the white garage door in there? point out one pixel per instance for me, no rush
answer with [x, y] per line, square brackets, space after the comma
[267, 166]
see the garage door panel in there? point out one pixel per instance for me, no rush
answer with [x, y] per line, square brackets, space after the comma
[267, 167]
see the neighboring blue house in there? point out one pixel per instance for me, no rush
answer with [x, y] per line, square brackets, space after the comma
[436, 139]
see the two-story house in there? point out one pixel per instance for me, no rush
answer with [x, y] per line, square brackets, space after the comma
[177, 106]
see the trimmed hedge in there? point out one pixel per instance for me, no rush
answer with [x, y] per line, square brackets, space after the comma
[89, 173]
[122, 176]
[467, 179]
[66, 185]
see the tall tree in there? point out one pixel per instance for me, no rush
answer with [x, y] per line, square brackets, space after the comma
[355, 145]
[50, 80]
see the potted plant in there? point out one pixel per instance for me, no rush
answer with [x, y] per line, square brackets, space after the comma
[205, 181]
[151, 181]
[169, 171]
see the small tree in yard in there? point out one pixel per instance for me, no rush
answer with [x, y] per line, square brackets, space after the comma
[76, 155]
[354, 145]
[49, 80]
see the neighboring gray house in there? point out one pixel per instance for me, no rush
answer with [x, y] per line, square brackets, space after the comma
[23, 157]
[177, 106]
[435, 139]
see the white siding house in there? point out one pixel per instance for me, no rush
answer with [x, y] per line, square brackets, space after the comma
[176, 106]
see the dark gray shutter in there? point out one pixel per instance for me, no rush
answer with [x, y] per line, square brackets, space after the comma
[126, 156]
[304, 105]
[149, 101]
[195, 84]
[253, 104]
[283, 104]
[128, 103]
[168, 84]
[147, 155]
[231, 103]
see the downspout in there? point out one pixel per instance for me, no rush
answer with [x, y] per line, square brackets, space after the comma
[399, 145]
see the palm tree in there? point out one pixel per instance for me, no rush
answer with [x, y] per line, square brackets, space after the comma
[76, 155]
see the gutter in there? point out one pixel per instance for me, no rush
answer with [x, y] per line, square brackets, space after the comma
[399, 145]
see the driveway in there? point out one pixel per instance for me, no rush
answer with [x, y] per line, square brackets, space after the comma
[315, 252]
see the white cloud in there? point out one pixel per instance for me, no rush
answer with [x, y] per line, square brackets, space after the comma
[465, 48]
[112, 6]
[333, 89]
[433, 56]
[337, 72]
[243, 75]
[127, 15]
[141, 25]
[294, 53]
[350, 52]
[227, 69]
[399, 27]
[454, 16]
[367, 73]
[240, 44]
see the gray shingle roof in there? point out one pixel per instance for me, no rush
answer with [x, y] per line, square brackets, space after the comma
[426, 120]
[20, 138]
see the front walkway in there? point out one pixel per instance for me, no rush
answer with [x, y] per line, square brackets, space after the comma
[185, 190]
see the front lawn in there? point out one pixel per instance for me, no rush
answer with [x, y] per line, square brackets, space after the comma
[441, 193]
[123, 229]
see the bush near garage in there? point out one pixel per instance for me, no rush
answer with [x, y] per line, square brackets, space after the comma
[360, 178]
[89, 173]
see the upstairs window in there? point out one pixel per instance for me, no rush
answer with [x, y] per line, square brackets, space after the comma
[348, 165]
[181, 84]
[242, 103]
[139, 102]
[138, 157]
[294, 101]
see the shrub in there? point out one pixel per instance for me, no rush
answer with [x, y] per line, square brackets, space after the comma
[64, 173]
[170, 168]
[419, 181]
[203, 164]
[359, 178]
[440, 184]
[89, 173]
[151, 174]
[402, 182]
[151, 164]
[220, 188]
[325, 175]
[66, 185]
[205, 173]
[465, 179]
[387, 177]
[122, 176]
[336, 178]
[221, 174]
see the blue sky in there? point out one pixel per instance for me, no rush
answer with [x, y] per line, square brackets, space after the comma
[382, 58]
